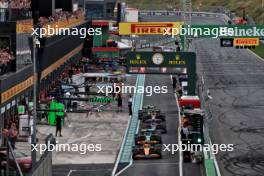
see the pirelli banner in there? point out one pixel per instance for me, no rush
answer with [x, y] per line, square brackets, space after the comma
[246, 42]
[147, 28]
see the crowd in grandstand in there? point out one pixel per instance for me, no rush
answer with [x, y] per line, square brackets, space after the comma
[60, 16]
[15, 4]
[5, 58]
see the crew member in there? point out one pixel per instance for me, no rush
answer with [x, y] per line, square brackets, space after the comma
[130, 100]
[5, 133]
[177, 46]
[68, 102]
[185, 132]
[179, 91]
[119, 102]
[174, 83]
[58, 125]
[12, 135]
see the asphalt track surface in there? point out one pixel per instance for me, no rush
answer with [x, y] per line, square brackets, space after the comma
[235, 79]
[169, 164]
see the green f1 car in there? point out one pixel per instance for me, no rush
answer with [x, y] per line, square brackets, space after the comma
[147, 137]
[154, 127]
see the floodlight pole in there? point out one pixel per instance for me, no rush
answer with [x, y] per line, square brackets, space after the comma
[187, 19]
[262, 5]
[35, 43]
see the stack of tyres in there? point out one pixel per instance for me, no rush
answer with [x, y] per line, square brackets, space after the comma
[148, 142]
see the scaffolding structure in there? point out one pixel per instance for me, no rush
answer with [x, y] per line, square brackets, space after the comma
[187, 19]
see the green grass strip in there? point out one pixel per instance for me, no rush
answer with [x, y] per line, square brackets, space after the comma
[259, 50]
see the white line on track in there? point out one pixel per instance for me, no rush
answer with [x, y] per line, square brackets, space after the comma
[87, 170]
[262, 59]
[125, 168]
[70, 172]
[156, 163]
[213, 156]
[179, 134]
[216, 163]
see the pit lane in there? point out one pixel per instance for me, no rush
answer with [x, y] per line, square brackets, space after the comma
[189, 169]
[169, 164]
[106, 128]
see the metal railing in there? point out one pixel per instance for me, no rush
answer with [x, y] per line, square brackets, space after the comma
[157, 43]
[44, 165]
[210, 11]
[11, 151]
[226, 11]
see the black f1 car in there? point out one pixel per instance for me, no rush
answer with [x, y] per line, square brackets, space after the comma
[154, 127]
[147, 110]
[147, 151]
[153, 116]
[150, 112]
[147, 138]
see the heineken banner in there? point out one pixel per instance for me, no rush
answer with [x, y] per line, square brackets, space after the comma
[217, 31]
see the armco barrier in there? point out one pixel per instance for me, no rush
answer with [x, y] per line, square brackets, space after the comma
[225, 17]
[225, 14]
[161, 42]
[178, 13]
